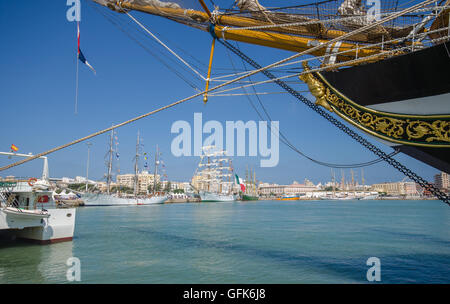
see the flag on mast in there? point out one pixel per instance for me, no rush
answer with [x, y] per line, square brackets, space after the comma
[240, 182]
[80, 53]
[14, 148]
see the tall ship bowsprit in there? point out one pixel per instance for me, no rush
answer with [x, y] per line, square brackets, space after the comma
[213, 178]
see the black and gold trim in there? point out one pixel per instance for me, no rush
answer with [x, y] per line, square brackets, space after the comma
[416, 130]
[419, 74]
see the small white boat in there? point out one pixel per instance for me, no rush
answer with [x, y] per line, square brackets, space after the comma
[41, 184]
[24, 214]
[216, 197]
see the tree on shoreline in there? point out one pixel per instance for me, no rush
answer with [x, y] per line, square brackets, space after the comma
[157, 188]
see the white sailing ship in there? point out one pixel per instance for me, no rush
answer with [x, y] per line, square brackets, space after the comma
[118, 199]
[213, 177]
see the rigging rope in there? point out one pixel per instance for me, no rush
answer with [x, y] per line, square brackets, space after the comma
[166, 47]
[388, 158]
[117, 24]
[349, 62]
[284, 139]
[246, 94]
[338, 19]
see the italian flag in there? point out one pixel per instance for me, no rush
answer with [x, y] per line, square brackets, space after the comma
[240, 182]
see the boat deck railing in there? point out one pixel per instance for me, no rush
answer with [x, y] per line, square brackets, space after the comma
[8, 199]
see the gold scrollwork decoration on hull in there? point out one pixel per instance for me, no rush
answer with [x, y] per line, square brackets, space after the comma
[431, 131]
[439, 129]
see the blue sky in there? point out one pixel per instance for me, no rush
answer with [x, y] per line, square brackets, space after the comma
[37, 95]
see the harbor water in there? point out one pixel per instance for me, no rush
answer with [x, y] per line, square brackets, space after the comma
[244, 242]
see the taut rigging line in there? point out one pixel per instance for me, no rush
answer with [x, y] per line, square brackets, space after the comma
[284, 139]
[388, 158]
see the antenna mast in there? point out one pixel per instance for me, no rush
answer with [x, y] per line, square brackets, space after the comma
[136, 167]
[109, 177]
[156, 169]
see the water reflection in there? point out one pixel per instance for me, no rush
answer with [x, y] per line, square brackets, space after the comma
[28, 263]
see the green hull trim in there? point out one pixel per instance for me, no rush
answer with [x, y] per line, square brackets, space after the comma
[249, 198]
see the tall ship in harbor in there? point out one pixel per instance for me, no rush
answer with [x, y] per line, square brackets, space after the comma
[213, 178]
[251, 188]
[119, 197]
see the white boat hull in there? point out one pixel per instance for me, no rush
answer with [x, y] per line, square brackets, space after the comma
[91, 199]
[215, 197]
[154, 200]
[57, 225]
[369, 197]
[338, 198]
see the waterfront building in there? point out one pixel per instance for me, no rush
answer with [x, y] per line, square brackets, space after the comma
[279, 190]
[197, 181]
[185, 186]
[103, 187]
[145, 179]
[397, 188]
[442, 181]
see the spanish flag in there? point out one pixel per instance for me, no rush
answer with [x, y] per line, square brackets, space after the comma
[14, 148]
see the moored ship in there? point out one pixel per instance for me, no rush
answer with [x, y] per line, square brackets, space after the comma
[212, 178]
[121, 199]
[251, 189]
[28, 211]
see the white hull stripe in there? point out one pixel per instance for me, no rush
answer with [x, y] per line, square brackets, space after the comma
[430, 105]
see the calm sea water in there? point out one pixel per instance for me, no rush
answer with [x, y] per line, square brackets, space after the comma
[253, 242]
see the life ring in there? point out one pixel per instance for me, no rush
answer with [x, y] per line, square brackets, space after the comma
[31, 181]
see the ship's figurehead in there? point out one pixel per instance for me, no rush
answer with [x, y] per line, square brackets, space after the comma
[316, 88]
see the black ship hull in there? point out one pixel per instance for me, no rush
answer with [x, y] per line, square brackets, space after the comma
[403, 101]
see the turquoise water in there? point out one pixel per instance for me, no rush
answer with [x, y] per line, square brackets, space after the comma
[252, 242]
